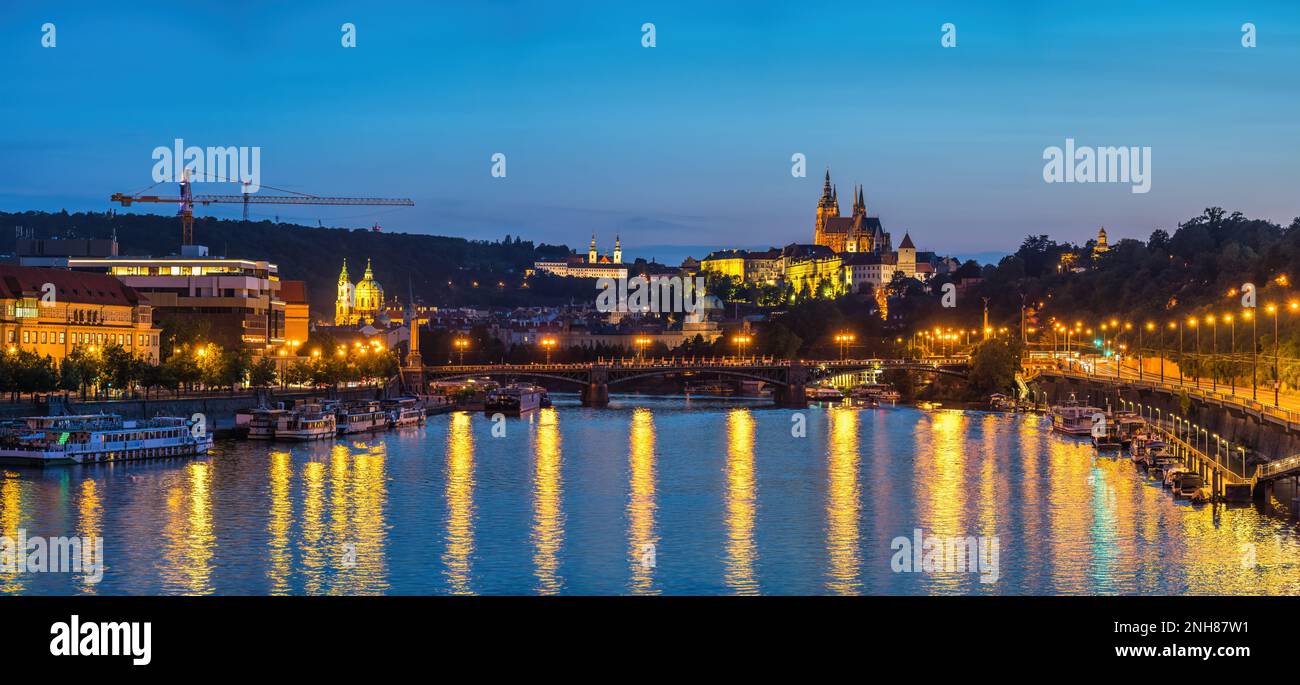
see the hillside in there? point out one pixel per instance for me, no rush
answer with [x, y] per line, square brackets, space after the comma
[315, 255]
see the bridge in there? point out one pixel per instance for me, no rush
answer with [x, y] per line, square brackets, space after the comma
[593, 380]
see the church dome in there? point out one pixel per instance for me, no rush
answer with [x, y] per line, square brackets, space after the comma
[369, 293]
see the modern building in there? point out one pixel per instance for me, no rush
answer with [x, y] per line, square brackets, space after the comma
[229, 301]
[297, 317]
[360, 303]
[55, 311]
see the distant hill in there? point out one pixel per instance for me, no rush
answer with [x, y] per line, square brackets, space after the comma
[315, 255]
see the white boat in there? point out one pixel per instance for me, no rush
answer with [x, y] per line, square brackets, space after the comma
[1073, 419]
[513, 400]
[309, 422]
[96, 438]
[359, 417]
[821, 392]
[404, 412]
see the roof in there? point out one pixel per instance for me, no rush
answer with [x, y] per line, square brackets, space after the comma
[78, 287]
[805, 250]
[838, 224]
[907, 242]
[294, 292]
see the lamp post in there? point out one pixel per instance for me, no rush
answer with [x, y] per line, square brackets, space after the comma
[641, 342]
[1192, 322]
[1214, 350]
[741, 341]
[1272, 309]
[1232, 354]
[843, 340]
[461, 344]
[548, 344]
[1254, 355]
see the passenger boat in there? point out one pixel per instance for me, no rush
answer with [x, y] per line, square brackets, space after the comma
[1000, 402]
[359, 417]
[403, 412]
[513, 400]
[1127, 426]
[1073, 419]
[821, 392]
[96, 438]
[308, 422]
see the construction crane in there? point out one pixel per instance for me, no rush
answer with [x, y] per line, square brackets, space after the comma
[187, 199]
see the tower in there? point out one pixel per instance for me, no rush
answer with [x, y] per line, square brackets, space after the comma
[828, 207]
[591, 250]
[343, 305]
[907, 256]
[368, 297]
[618, 250]
[1100, 245]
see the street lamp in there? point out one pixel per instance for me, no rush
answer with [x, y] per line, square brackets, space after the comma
[1192, 322]
[548, 344]
[741, 341]
[461, 344]
[843, 339]
[1232, 354]
[1254, 355]
[1214, 351]
[641, 342]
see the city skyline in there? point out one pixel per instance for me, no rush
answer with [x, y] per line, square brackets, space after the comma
[690, 139]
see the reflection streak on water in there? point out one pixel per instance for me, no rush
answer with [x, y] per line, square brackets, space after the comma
[90, 515]
[641, 504]
[279, 520]
[741, 503]
[843, 502]
[190, 539]
[11, 516]
[459, 493]
[548, 512]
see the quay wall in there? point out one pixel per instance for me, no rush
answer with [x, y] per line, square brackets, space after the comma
[217, 408]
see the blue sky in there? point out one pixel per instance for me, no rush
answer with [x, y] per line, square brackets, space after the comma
[688, 143]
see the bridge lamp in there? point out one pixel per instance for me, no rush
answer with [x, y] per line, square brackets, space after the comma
[741, 341]
[548, 344]
[461, 344]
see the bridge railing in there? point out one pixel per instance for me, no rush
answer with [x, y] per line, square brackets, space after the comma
[1277, 467]
[698, 362]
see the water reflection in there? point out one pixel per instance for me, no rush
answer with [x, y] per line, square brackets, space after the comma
[548, 513]
[642, 540]
[842, 502]
[279, 521]
[523, 514]
[459, 492]
[11, 520]
[189, 540]
[741, 501]
[90, 515]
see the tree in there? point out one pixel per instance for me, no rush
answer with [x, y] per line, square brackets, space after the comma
[262, 373]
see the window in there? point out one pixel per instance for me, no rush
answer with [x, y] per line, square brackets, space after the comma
[44, 337]
[63, 337]
[27, 336]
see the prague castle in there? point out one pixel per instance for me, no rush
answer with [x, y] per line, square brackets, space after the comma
[360, 303]
[856, 233]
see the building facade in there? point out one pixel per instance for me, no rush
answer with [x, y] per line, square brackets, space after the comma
[855, 233]
[595, 265]
[358, 304]
[233, 302]
[55, 311]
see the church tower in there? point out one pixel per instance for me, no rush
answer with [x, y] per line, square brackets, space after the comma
[343, 305]
[827, 207]
[591, 250]
[1100, 246]
[618, 250]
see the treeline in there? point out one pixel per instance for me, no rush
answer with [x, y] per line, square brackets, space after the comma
[114, 372]
[442, 271]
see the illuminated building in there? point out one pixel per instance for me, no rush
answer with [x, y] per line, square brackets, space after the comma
[360, 303]
[54, 311]
[855, 233]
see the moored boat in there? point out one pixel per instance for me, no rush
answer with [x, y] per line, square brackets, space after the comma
[359, 417]
[403, 412]
[1073, 419]
[97, 438]
[513, 400]
[308, 422]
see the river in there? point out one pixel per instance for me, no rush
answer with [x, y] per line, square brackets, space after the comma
[652, 495]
